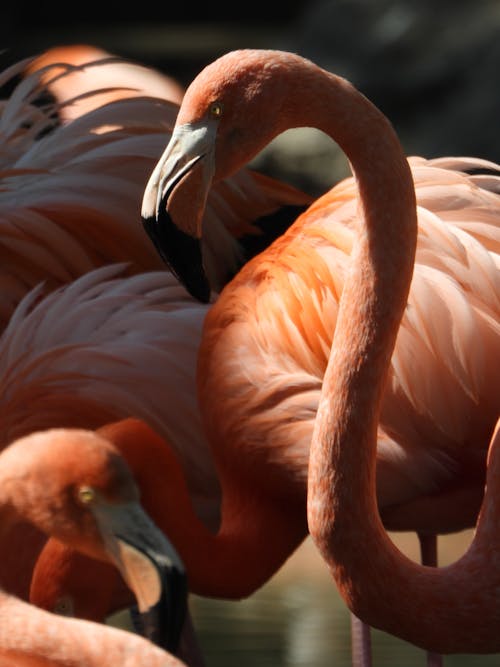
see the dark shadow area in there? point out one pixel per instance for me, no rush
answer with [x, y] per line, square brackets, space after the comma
[430, 66]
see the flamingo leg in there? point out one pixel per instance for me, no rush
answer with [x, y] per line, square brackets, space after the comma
[361, 643]
[360, 632]
[428, 555]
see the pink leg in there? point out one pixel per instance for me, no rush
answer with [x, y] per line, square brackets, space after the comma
[361, 643]
[428, 553]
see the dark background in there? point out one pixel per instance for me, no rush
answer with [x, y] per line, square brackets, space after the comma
[431, 65]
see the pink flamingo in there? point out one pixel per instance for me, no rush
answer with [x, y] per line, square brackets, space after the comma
[73, 484]
[106, 347]
[93, 77]
[267, 338]
[68, 192]
[81, 184]
[83, 356]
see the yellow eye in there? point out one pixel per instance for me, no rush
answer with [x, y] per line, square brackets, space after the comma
[216, 109]
[86, 494]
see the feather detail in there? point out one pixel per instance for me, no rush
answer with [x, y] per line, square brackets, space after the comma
[69, 190]
[274, 328]
[106, 347]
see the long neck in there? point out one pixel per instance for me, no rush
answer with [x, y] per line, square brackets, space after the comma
[255, 538]
[255, 535]
[342, 457]
[433, 608]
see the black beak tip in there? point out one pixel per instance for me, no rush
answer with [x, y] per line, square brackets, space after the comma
[181, 253]
[163, 623]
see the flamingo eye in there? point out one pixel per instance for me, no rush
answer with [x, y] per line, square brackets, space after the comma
[216, 109]
[86, 495]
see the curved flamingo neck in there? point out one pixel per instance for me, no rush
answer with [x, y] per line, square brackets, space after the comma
[254, 540]
[254, 537]
[429, 607]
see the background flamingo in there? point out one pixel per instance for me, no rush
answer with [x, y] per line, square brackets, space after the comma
[74, 485]
[82, 181]
[81, 167]
[105, 348]
[88, 69]
[100, 349]
[267, 338]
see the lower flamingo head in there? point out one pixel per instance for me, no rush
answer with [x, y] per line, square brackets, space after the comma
[75, 486]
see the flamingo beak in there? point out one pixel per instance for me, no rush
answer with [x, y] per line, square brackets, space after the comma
[150, 566]
[174, 203]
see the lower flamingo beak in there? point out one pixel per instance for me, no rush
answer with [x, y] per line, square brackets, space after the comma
[161, 621]
[150, 566]
[181, 252]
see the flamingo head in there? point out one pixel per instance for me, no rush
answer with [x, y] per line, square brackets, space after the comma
[78, 489]
[232, 109]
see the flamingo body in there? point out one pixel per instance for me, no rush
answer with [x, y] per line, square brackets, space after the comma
[278, 317]
[79, 180]
[267, 339]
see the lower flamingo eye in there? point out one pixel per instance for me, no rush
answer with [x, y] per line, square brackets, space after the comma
[86, 494]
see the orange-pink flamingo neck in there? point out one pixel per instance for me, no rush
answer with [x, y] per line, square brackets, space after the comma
[246, 542]
[214, 561]
[438, 609]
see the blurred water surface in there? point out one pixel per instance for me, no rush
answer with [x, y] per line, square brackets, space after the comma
[299, 620]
